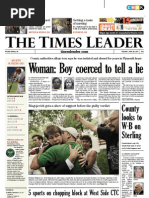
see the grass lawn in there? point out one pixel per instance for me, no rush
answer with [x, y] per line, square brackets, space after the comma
[13, 88]
[102, 161]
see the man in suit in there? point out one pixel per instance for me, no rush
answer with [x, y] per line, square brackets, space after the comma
[38, 142]
[138, 189]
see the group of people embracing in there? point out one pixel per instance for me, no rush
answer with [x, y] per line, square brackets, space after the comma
[64, 155]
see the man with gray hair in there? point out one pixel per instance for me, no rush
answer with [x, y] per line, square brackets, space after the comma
[138, 189]
[138, 172]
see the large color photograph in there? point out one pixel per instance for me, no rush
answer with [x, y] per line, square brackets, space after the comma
[73, 142]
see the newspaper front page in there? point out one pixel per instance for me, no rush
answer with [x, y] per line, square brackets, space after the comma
[75, 108]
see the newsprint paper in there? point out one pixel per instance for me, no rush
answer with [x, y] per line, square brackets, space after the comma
[76, 102]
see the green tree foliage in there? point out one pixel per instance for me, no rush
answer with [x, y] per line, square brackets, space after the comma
[43, 117]
[102, 161]
[70, 121]
[40, 119]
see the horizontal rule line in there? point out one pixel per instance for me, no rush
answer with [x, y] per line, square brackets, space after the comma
[131, 150]
[15, 134]
[15, 113]
[73, 187]
[17, 187]
[132, 102]
[74, 49]
[71, 53]
[15, 124]
[73, 102]
[15, 104]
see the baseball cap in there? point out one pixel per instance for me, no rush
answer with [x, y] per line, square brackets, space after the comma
[70, 130]
[22, 70]
[18, 69]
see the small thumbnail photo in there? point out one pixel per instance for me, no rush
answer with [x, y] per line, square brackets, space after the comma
[15, 80]
[61, 26]
[138, 188]
[56, 83]
[15, 30]
[68, 83]
[138, 172]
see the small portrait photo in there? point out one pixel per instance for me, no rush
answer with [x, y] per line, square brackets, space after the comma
[138, 172]
[68, 83]
[15, 80]
[138, 188]
[56, 83]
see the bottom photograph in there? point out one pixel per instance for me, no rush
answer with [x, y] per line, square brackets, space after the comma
[73, 142]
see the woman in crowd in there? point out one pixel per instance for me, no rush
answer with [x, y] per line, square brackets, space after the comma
[91, 165]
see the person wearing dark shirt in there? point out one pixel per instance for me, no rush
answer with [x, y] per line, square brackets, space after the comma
[110, 133]
[56, 83]
[112, 141]
[38, 142]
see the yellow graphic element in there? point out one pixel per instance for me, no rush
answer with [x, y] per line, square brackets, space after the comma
[110, 19]
[137, 7]
[106, 27]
